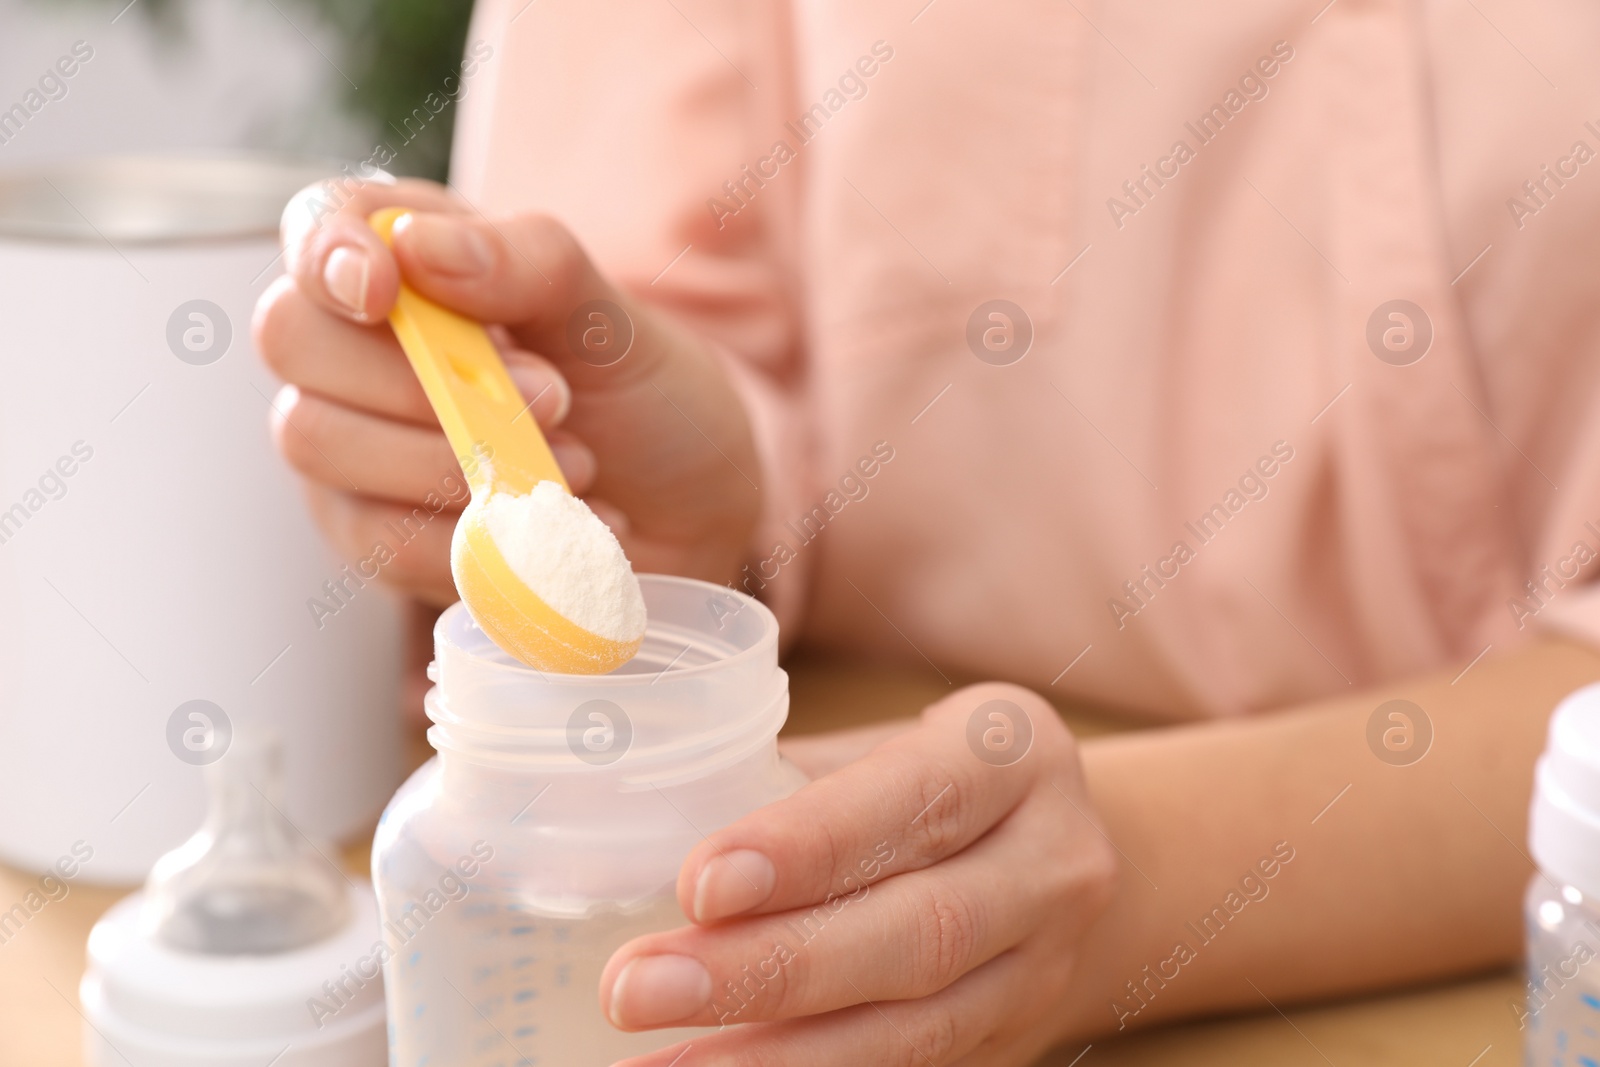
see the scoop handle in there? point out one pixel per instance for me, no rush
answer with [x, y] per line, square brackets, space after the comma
[489, 425]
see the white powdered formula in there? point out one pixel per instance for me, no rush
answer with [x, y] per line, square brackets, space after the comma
[565, 554]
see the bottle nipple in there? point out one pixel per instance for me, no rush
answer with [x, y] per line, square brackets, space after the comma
[248, 882]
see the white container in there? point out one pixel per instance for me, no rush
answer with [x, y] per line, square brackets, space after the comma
[175, 561]
[551, 826]
[1561, 1017]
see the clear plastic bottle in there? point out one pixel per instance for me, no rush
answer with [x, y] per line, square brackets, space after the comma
[1560, 1016]
[550, 827]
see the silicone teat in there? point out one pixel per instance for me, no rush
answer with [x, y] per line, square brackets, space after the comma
[247, 882]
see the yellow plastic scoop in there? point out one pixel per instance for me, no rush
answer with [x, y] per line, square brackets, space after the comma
[500, 450]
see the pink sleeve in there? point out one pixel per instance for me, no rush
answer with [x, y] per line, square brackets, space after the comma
[626, 120]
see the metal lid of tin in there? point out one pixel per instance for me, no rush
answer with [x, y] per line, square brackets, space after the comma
[152, 199]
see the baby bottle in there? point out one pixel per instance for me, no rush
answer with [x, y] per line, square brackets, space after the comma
[1560, 1018]
[550, 827]
[246, 945]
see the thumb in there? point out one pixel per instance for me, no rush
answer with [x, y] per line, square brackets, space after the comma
[334, 256]
[529, 274]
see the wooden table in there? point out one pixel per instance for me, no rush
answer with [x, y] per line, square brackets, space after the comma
[1456, 1025]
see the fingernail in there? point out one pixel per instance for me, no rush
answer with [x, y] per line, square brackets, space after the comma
[345, 275]
[444, 245]
[653, 990]
[546, 393]
[732, 884]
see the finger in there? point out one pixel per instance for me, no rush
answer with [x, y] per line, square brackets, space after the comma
[341, 199]
[822, 754]
[545, 389]
[364, 366]
[529, 273]
[327, 354]
[928, 1032]
[406, 548]
[925, 788]
[335, 257]
[345, 448]
[908, 936]
[612, 516]
[578, 464]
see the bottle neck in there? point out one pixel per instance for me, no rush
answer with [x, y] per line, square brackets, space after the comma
[703, 693]
[605, 747]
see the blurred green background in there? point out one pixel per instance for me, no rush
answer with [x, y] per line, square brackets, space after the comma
[396, 51]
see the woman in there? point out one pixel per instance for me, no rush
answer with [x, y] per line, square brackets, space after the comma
[1211, 366]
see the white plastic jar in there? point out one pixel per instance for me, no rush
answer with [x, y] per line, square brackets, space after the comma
[1560, 1018]
[550, 827]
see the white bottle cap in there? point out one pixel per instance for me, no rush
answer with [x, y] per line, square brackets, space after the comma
[1564, 826]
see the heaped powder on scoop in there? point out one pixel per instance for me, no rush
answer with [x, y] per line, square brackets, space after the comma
[565, 554]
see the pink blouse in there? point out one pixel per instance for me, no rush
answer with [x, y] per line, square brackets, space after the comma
[1200, 359]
